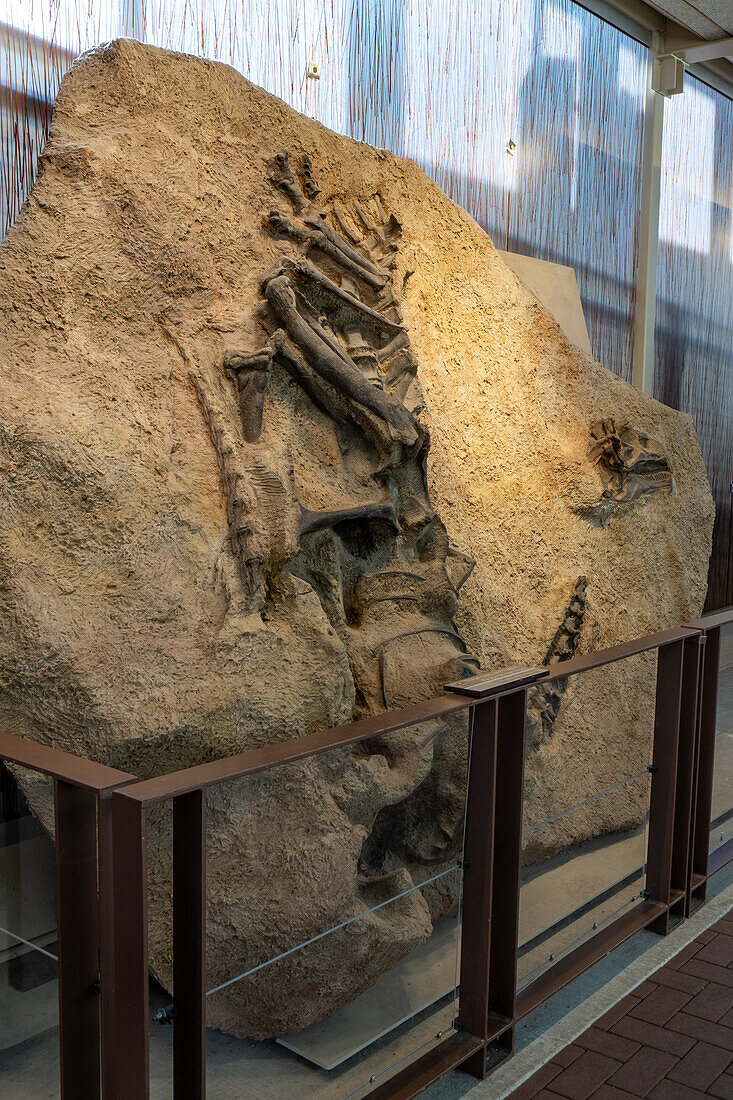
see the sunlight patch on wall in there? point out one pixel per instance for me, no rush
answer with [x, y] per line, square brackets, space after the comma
[631, 70]
[687, 169]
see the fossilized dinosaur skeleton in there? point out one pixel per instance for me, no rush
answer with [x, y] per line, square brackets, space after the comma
[630, 463]
[380, 562]
[335, 325]
[382, 567]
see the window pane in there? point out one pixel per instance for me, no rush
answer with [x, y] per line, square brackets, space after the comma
[694, 333]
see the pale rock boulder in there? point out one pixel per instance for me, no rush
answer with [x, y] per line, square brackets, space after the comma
[163, 601]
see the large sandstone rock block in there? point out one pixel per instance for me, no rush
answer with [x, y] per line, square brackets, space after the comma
[285, 443]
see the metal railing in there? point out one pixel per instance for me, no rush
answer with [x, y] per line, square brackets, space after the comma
[101, 846]
[82, 793]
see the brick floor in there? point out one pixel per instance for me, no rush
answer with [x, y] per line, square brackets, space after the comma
[671, 1039]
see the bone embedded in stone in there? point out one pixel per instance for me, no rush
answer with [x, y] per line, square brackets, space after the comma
[301, 448]
[630, 463]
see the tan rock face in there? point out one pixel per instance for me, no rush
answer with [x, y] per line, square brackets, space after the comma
[247, 464]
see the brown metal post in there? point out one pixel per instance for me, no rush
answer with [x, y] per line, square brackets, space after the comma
[77, 918]
[189, 946]
[130, 1054]
[708, 712]
[664, 777]
[478, 851]
[106, 943]
[681, 873]
[507, 858]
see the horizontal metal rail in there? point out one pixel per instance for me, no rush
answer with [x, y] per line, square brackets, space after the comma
[588, 661]
[82, 790]
[722, 617]
[202, 776]
[101, 821]
[76, 770]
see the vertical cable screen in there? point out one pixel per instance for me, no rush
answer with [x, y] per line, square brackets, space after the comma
[528, 113]
[38, 42]
[694, 334]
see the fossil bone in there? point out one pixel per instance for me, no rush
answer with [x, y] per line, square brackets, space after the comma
[238, 504]
[310, 186]
[250, 374]
[316, 521]
[313, 234]
[285, 181]
[307, 280]
[630, 464]
[340, 372]
[544, 701]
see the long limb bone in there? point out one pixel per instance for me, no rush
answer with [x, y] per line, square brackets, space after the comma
[341, 373]
[306, 378]
[318, 223]
[345, 413]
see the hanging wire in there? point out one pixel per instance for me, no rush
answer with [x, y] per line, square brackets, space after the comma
[15, 936]
[593, 797]
[329, 931]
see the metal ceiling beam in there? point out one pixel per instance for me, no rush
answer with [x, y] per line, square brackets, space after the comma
[705, 51]
[641, 20]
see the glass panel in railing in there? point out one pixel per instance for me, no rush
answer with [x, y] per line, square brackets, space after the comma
[334, 892]
[333, 907]
[721, 822]
[29, 1035]
[334, 897]
[587, 786]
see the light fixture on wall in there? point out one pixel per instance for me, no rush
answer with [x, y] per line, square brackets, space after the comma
[314, 70]
[510, 147]
[668, 76]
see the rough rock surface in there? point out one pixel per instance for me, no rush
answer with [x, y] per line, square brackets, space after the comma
[166, 595]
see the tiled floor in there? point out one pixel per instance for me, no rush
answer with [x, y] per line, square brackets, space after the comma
[671, 1039]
